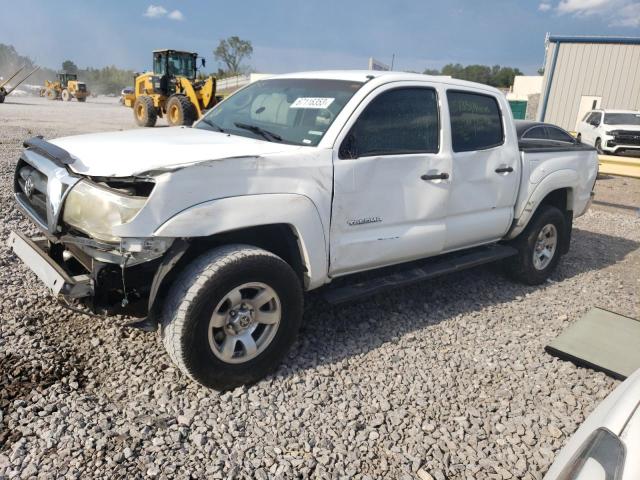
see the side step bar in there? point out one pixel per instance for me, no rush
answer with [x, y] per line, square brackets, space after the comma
[415, 272]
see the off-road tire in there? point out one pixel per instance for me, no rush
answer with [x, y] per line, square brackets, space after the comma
[51, 94]
[144, 112]
[180, 111]
[2, 95]
[520, 267]
[66, 96]
[195, 293]
[81, 99]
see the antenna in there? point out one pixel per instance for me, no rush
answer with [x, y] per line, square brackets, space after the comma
[393, 57]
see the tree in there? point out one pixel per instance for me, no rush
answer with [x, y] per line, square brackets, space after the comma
[69, 67]
[232, 51]
[495, 76]
[431, 71]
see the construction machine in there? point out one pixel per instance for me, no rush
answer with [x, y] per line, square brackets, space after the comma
[3, 90]
[171, 89]
[65, 87]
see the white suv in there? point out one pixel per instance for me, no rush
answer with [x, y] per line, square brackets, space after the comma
[611, 131]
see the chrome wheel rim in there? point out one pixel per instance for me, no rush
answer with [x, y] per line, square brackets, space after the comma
[244, 322]
[545, 247]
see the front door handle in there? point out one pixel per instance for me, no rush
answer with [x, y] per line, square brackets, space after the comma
[437, 176]
[504, 170]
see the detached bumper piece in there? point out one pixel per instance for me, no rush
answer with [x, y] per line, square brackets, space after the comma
[33, 252]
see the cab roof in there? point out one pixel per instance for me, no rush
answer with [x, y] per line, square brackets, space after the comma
[172, 50]
[383, 77]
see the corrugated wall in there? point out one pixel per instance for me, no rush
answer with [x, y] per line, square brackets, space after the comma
[610, 71]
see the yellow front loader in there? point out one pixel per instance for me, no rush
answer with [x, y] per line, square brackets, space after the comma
[65, 87]
[171, 89]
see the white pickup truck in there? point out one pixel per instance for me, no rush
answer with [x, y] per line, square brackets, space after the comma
[214, 232]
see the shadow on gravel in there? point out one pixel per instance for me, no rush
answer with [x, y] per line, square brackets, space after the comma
[331, 334]
[20, 377]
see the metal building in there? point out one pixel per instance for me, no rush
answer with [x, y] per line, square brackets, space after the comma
[583, 73]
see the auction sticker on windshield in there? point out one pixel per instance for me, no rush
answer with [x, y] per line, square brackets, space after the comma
[312, 102]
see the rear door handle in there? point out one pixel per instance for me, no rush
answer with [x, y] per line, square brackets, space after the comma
[504, 170]
[437, 176]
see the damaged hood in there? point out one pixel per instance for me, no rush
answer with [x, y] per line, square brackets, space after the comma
[134, 152]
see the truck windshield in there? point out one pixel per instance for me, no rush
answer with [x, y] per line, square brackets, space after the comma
[294, 111]
[622, 118]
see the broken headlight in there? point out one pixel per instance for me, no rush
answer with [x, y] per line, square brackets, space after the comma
[96, 210]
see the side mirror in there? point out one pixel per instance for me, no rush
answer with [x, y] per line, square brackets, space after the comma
[203, 62]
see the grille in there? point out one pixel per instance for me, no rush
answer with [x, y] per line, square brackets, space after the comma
[627, 137]
[31, 185]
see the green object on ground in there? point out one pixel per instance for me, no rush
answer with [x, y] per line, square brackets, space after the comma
[518, 108]
[601, 340]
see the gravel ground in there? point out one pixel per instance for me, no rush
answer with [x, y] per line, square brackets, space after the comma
[449, 375]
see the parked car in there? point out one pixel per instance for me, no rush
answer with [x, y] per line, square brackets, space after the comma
[532, 134]
[214, 232]
[611, 131]
[606, 444]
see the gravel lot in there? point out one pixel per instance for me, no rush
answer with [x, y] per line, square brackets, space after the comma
[449, 375]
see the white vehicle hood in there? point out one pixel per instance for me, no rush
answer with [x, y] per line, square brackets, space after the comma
[133, 152]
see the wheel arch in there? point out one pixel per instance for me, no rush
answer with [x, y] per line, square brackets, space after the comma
[556, 189]
[288, 225]
[280, 239]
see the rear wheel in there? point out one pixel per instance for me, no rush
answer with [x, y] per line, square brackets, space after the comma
[539, 246]
[180, 111]
[144, 111]
[2, 95]
[81, 99]
[231, 316]
[66, 96]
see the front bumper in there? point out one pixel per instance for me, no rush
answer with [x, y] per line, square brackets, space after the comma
[34, 254]
[103, 287]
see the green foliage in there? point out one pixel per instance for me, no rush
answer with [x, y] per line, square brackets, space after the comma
[107, 79]
[231, 52]
[495, 76]
[69, 67]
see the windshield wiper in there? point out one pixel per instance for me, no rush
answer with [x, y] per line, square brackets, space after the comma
[259, 130]
[212, 124]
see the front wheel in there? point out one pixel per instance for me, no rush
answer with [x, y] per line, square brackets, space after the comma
[231, 316]
[539, 246]
[598, 146]
[180, 111]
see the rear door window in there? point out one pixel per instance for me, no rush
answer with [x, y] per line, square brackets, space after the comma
[476, 121]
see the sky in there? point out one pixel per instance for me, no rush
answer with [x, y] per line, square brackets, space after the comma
[294, 35]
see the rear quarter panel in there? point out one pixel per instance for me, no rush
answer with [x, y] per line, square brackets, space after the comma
[544, 172]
